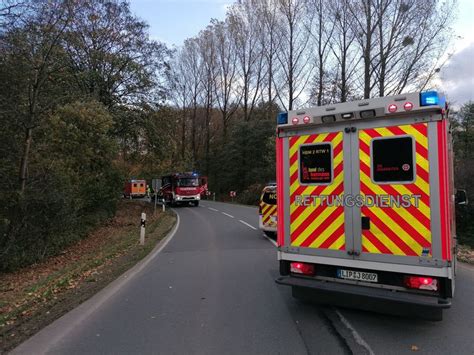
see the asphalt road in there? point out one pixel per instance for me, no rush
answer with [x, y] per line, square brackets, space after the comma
[211, 290]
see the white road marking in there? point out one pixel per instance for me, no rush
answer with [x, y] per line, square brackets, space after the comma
[356, 335]
[270, 240]
[248, 225]
[228, 215]
[213, 209]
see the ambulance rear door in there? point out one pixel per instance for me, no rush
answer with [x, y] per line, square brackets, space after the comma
[317, 175]
[395, 185]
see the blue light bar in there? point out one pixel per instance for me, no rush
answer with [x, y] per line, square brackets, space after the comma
[282, 118]
[429, 98]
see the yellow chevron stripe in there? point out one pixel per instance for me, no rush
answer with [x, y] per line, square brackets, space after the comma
[387, 242]
[338, 243]
[327, 191]
[327, 232]
[302, 139]
[399, 231]
[369, 246]
[409, 130]
[400, 188]
[400, 211]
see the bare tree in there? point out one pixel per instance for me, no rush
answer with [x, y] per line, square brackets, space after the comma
[293, 54]
[226, 94]
[245, 29]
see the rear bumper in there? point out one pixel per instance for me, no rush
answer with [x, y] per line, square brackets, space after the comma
[355, 295]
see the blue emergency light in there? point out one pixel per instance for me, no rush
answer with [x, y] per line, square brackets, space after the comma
[429, 98]
[282, 118]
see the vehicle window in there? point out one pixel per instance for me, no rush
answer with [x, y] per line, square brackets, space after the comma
[134, 185]
[269, 197]
[316, 164]
[187, 182]
[392, 160]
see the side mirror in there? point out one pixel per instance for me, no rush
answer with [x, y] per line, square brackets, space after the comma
[461, 197]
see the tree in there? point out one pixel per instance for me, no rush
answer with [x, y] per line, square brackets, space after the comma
[32, 50]
[111, 55]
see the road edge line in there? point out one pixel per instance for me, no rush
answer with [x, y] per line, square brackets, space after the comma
[347, 333]
[51, 335]
[270, 239]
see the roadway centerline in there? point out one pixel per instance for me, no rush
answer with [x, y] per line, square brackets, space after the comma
[248, 225]
[213, 209]
[228, 215]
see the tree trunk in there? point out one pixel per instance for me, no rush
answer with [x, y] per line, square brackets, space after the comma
[25, 158]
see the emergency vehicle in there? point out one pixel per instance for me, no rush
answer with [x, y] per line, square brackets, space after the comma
[180, 188]
[267, 210]
[134, 188]
[365, 203]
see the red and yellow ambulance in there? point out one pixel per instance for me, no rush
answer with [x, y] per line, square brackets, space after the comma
[365, 202]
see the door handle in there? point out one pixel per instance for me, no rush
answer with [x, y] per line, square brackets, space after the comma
[365, 222]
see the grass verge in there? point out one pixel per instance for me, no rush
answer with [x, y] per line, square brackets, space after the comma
[33, 297]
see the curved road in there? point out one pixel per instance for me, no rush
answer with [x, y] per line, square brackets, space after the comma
[211, 290]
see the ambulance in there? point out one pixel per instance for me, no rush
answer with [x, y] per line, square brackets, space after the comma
[267, 211]
[366, 203]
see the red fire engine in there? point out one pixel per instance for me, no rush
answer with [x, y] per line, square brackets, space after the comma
[180, 188]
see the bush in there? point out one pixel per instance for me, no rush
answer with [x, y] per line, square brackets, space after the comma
[72, 185]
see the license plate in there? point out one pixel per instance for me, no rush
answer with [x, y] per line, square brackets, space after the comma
[357, 275]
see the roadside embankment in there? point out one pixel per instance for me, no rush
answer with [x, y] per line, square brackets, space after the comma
[35, 296]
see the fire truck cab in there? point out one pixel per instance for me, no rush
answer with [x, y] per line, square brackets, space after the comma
[365, 203]
[180, 188]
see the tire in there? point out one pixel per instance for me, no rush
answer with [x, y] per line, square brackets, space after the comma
[271, 235]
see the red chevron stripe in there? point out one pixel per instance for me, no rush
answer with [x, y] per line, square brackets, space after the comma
[336, 192]
[343, 247]
[388, 232]
[308, 220]
[364, 249]
[372, 133]
[422, 151]
[396, 130]
[333, 237]
[390, 212]
[422, 128]
[415, 212]
[422, 173]
[376, 242]
[323, 226]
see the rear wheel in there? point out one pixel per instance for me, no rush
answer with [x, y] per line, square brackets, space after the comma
[271, 235]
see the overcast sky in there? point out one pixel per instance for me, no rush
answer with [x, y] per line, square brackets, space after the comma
[172, 21]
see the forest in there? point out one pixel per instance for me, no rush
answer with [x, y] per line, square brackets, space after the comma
[88, 100]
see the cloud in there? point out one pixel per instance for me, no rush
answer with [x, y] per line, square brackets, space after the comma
[458, 76]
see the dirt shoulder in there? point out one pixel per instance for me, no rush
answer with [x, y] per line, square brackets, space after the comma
[465, 254]
[33, 297]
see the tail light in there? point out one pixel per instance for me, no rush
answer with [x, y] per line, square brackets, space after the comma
[421, 283]
[302, 268]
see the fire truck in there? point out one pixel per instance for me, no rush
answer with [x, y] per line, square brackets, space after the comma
[180, 188]
[366, 203]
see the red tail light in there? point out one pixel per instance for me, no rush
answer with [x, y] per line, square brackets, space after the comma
[421, 283]
[302, 268]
